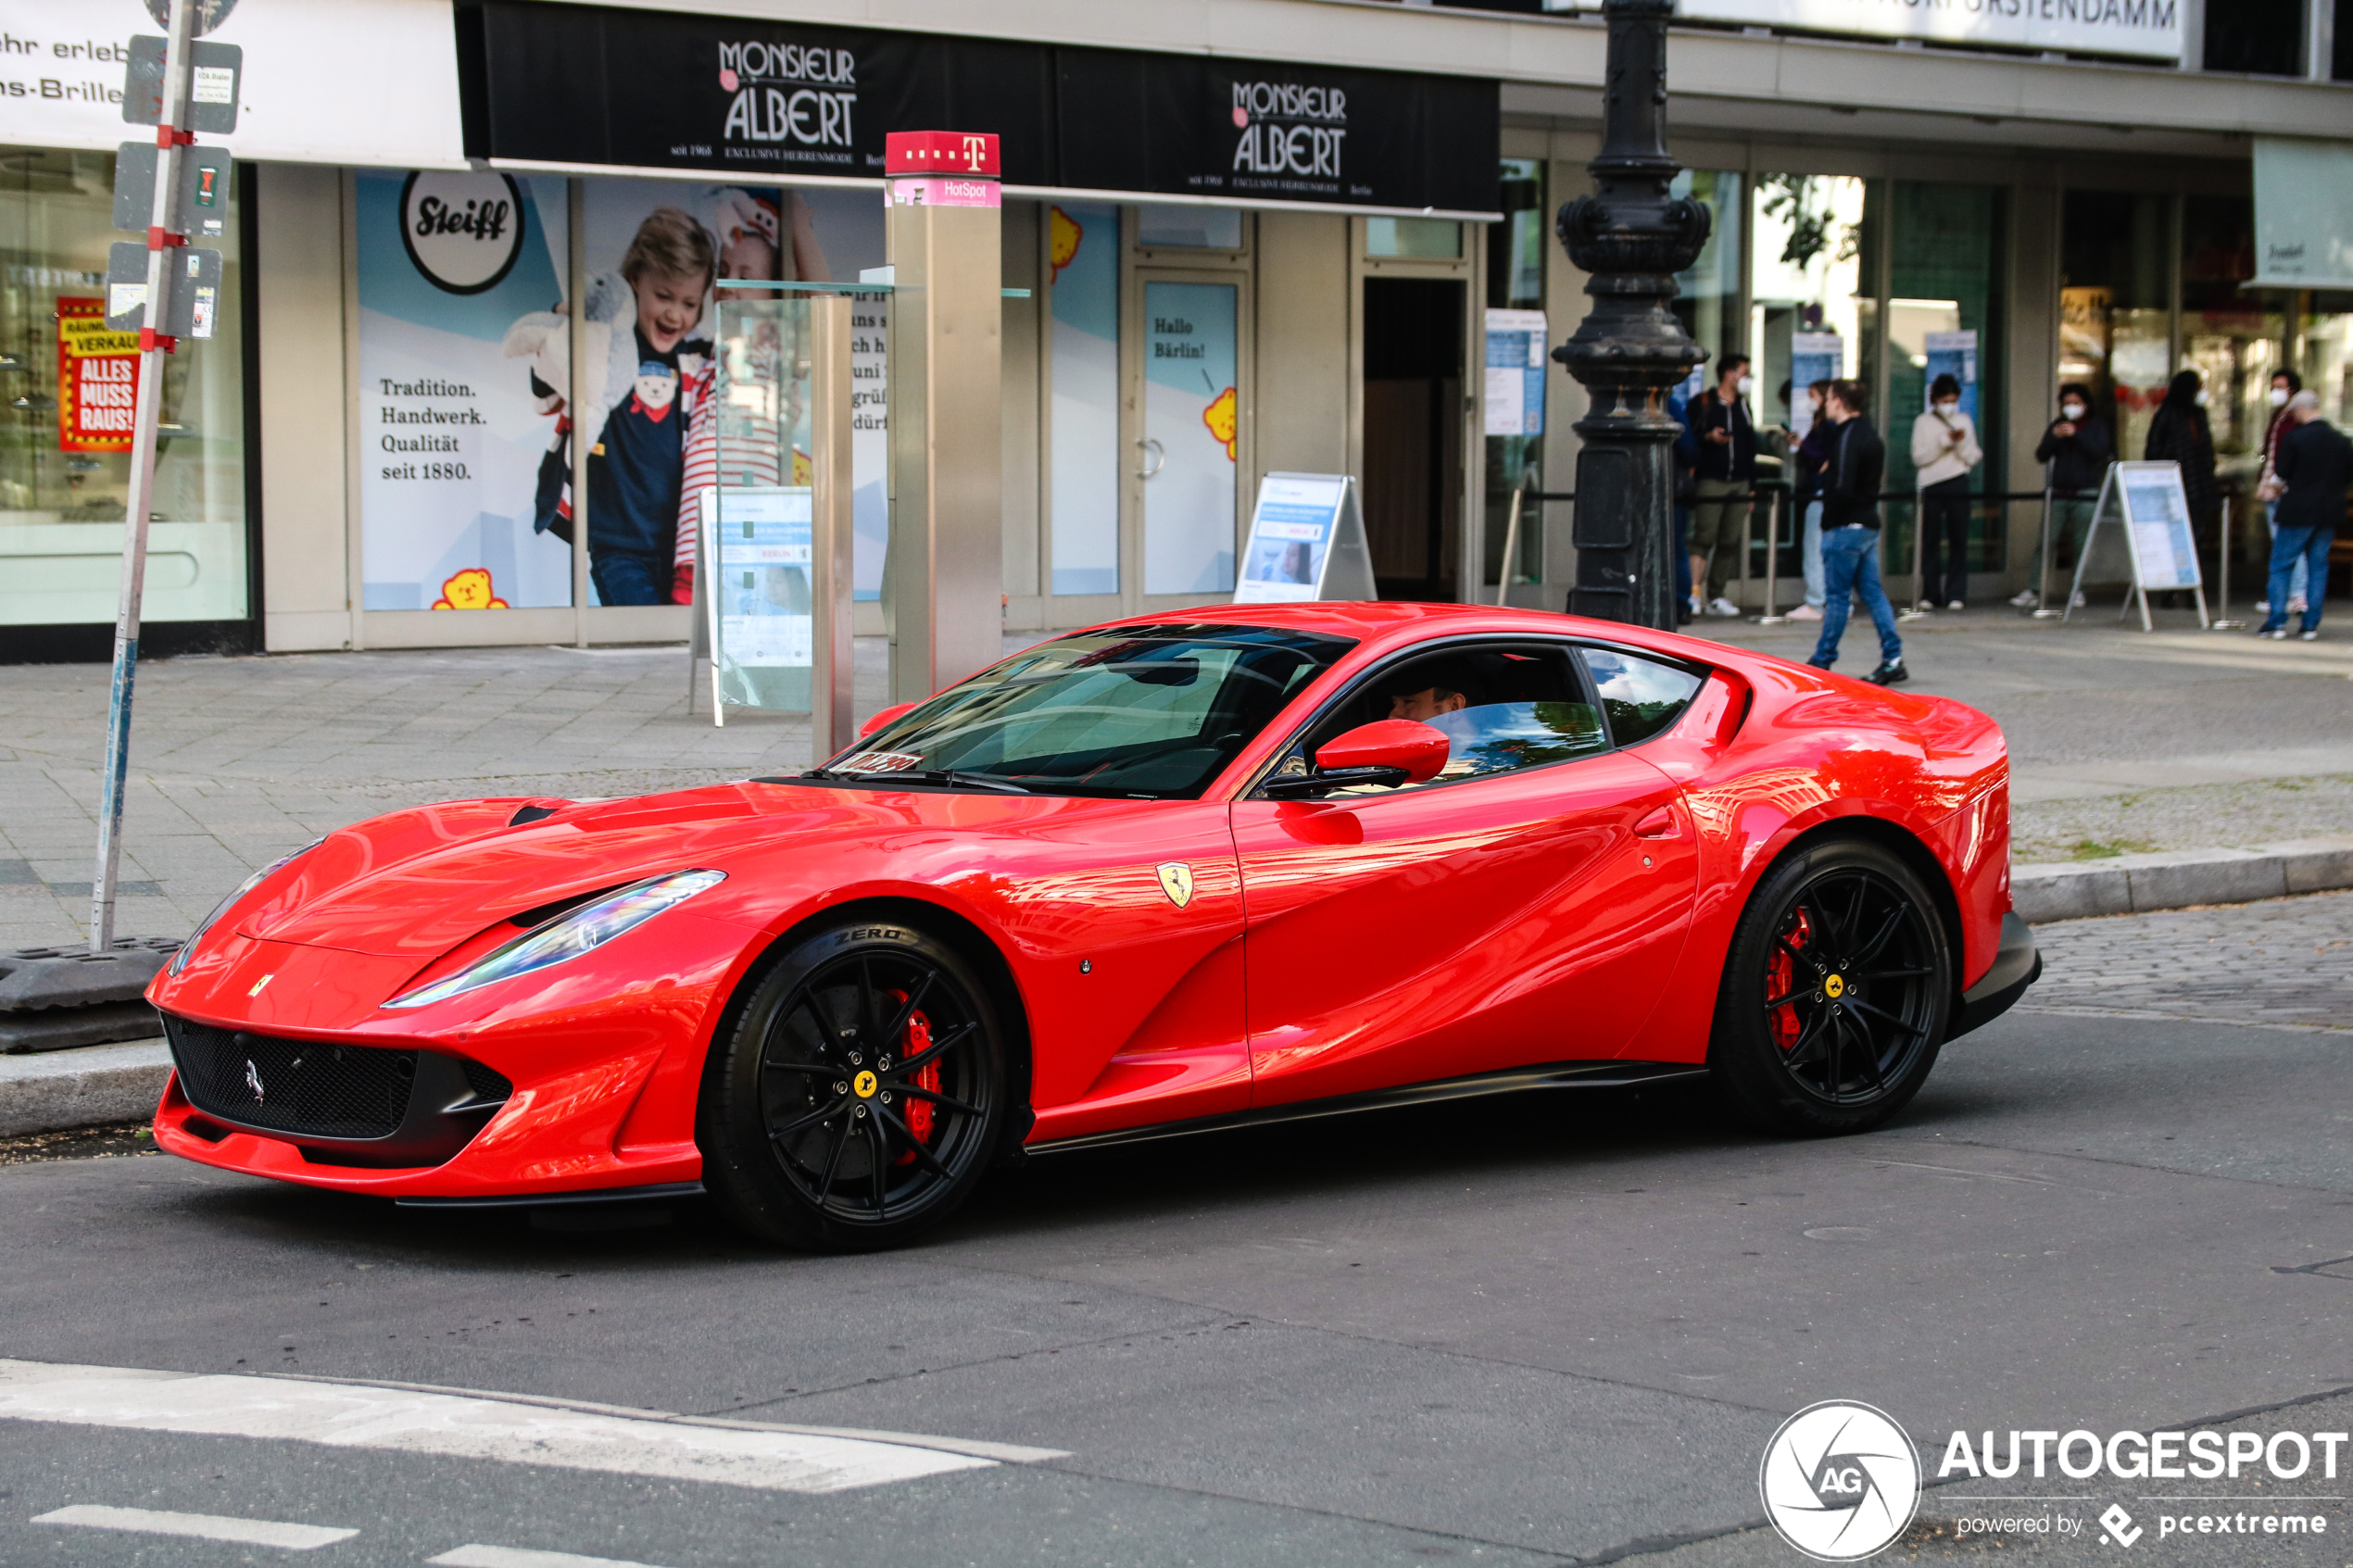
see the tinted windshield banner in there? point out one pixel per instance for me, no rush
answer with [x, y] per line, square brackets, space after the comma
[574, 85]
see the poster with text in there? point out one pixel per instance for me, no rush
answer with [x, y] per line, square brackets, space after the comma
[97, 378]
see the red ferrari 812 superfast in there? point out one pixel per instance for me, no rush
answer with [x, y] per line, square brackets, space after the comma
[1177, 873]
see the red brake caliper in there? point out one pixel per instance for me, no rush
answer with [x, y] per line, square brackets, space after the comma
[1781, 974]
[917, 1114]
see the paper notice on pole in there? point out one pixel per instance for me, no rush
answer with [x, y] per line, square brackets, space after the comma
[123, 298]
[214, 85]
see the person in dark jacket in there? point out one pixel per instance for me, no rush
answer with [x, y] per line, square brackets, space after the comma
[1850, 485]
[1725, 439]
[2179, 433]
[2316, 467]
[2074, 452]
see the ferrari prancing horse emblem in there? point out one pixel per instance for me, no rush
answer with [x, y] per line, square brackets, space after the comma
[1176, 881]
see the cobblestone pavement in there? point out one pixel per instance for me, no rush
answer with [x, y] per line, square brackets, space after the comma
[2281, 961]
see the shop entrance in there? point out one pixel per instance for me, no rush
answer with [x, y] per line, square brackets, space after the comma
[1412, 433]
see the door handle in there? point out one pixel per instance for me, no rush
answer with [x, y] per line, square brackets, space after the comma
[1660, 824]
[1158, 451]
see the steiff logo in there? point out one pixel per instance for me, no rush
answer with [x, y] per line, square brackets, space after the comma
[463, 230]
[1839, 1481]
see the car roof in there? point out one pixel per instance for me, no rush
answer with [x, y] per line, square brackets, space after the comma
[1387, 623]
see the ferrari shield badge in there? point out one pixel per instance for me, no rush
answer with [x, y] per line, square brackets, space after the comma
[1176, 881]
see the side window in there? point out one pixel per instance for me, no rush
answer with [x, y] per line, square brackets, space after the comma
[1501, 708]
[1641, 696]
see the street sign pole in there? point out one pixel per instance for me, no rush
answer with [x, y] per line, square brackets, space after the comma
[162, 231]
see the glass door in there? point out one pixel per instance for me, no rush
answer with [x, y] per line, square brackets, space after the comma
[1187, 451]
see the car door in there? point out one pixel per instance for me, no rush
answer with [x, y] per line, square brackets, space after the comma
[1522, 908]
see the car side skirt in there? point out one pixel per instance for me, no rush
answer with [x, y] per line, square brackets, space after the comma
[1517, 1079]
[2017, 965]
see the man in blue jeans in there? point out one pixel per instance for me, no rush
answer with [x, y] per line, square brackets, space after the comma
[2316, 465]
[1850, 481]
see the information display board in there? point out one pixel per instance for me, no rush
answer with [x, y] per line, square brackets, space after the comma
[1515, 386]
[1306, 542]
[2141, 531]
[756, 550]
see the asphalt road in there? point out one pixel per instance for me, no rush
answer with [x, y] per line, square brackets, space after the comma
[1560, 1329]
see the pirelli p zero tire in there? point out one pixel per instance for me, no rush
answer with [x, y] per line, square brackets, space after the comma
[1836, 992]
[860, 1094]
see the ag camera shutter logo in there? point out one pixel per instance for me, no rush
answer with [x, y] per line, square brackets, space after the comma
[1839, 1481]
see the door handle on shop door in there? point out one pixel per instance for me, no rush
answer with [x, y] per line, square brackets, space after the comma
[1159, 452]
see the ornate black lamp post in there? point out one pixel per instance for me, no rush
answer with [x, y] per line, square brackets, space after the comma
[1632, 237]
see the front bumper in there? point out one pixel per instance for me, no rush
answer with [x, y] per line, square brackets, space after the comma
[2015, 966]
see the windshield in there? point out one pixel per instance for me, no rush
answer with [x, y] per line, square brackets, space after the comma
[1156, 712]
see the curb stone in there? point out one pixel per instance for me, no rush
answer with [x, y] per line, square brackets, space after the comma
[59, 1090]
[2127, 885]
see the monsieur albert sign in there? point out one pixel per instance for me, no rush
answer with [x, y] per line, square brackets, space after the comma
[573, 84]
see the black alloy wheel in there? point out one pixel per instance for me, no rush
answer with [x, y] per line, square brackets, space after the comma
[860, 1096]
[1836, 992]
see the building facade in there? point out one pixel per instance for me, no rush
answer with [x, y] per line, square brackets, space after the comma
[1259, 238]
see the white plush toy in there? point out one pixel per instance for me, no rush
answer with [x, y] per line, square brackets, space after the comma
[544, 337]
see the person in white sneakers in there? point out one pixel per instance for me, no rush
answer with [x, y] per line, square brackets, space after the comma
[1945, 450]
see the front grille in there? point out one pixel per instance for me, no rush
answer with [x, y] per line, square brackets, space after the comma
[297, 1087]
[490, 1085]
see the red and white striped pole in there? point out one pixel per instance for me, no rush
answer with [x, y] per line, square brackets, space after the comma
[163, 237]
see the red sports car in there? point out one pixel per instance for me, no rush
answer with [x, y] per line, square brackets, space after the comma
[1177, 873]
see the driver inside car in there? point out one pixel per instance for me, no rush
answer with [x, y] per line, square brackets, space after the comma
[1422, 692]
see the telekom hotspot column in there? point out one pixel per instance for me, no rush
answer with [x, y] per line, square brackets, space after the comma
[943, 580]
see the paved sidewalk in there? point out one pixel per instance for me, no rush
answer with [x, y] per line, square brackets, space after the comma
[2122, 741]
[2281, 961]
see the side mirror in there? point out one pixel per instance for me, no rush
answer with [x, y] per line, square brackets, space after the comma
[1389, 751]
[885, 717]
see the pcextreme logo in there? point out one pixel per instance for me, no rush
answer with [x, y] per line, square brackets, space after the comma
[1839, 1481]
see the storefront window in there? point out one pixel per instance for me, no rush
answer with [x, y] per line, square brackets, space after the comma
[2114, 318]
[1806, 289]
[2327, 360]
[1515, 281]
[1944, 317]
[65, 417]
[2234, 340]
[1708, 294]
[1160, 226]
[1413, 239]
[1084, 300]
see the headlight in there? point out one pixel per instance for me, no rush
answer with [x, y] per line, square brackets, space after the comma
[569, 935]
[180, 959]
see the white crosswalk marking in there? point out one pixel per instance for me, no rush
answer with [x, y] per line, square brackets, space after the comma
[465, 1427]
[209, 1526]
[478, 1556]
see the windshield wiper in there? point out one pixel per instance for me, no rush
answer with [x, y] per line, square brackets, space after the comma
[958, 779]
[954, 778]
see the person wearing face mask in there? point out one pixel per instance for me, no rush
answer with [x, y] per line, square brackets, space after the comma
[1726, 437]
[2285, 384]
[2074, 452]
[1944, 449]
[2179, 433]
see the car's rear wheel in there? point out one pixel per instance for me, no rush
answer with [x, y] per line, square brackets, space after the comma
[1835, 992]
[860, 1094]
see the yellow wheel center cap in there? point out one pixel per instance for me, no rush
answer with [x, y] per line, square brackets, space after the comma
[1835, 988]
[864, 1084]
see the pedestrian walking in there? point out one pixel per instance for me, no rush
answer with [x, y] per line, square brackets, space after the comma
[2075, 451]
[2315, 469]
[1944, 451]
[2285, 385]
[1857, 462]
[1726, 441]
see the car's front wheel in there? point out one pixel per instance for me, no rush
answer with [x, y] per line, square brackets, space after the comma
[1835, 992]
[860, 1094]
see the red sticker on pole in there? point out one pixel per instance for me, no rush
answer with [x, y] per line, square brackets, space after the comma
[97, 379]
